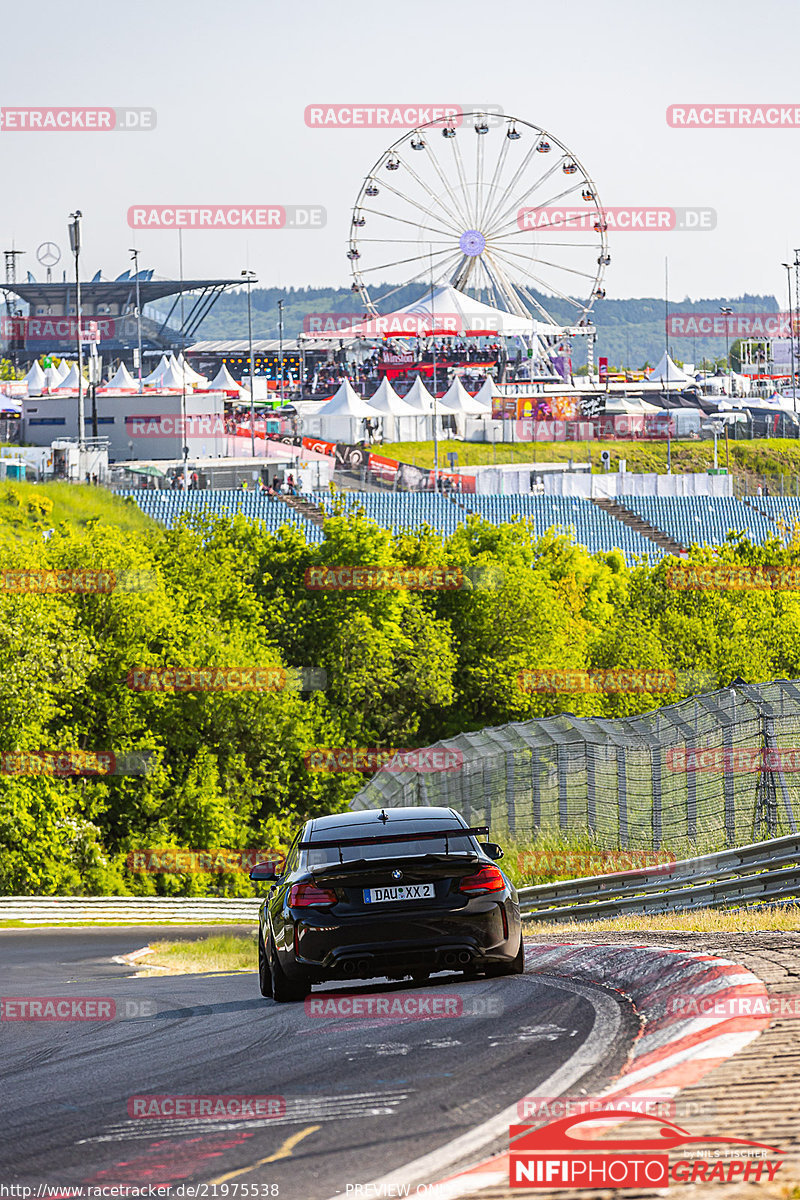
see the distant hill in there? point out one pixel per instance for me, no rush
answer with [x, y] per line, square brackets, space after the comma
[630, 332]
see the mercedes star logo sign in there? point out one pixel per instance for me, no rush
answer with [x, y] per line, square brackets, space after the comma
[397, 874]
[48, 254]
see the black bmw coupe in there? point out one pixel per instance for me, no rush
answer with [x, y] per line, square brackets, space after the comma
[400, 892]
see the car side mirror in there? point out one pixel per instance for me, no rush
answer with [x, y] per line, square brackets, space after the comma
[492, 850]
[266, 871]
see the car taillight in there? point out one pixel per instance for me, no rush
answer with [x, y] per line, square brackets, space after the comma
[308, 895]
[488, 879]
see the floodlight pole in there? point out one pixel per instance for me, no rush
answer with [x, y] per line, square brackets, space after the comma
[135, 256]
[249, 276]
[75, 244]
[433, 353]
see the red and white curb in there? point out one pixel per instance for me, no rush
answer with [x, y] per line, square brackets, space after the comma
[673, 1050]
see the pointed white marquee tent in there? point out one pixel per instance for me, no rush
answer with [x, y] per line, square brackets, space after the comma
[63, 369]
[341, 419]
[419, 397]
[71, 382]
[52, 378]
[154, 378]
[35, 380]
[171, 378]
[401, 422]
[458, 400]
[192, 377]
[667, 372]
[123, 380]
[223, 381]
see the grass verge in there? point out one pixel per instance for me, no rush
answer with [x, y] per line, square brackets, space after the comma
[221, 952]
[703, 920]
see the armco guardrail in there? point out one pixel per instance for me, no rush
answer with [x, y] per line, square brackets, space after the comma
[127, 910]
[763, 871]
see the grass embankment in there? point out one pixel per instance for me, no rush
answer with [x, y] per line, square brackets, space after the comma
[754, 459]
[222, 952]
[32, 507]
[703, 920]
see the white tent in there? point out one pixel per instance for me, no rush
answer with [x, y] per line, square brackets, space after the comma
[171, 377]
[192, 377]
[35, 380]
[458, 400]
[63, 369]
[154, 378]
[52, 378]
[667, 372]
[419, 397]
[487, 393]
[447, 313]
[341, 419]
[123, 380]
[71, 382]
[401, 422]
[223, 381]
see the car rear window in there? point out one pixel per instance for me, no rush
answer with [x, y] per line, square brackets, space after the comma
[349, 852]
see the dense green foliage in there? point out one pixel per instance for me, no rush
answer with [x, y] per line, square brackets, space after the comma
[404, 668]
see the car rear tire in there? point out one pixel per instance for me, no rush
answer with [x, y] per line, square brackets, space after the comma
[284, 990]
[515, 967]
[264, 976]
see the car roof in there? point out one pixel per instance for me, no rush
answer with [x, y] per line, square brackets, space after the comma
[385, 820]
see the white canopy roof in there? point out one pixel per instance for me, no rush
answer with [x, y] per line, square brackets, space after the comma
[386, 400]
[171, 377]
[667, 372]
[457, 399]
[192, 376]
[347, 403]
[223, 381]
[123, 379]
[419, 397]
[155, 375]
[52, 378]
[447, 313]
[35, 379]
[63, 369]
[72, 381]
[487, 393]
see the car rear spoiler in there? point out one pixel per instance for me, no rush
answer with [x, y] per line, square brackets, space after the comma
[381, 838]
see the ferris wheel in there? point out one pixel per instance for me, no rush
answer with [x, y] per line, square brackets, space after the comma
[492, 205]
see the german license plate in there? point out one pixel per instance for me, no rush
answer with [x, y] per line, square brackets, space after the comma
[403, 891]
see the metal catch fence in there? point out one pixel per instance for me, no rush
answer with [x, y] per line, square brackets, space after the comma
[716, 770]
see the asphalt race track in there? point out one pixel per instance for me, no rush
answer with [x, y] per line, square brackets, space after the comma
[364, 1096]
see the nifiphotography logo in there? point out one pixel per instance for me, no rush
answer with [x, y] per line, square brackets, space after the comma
[551, 1156]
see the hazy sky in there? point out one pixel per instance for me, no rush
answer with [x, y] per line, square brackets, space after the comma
[230, 82]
